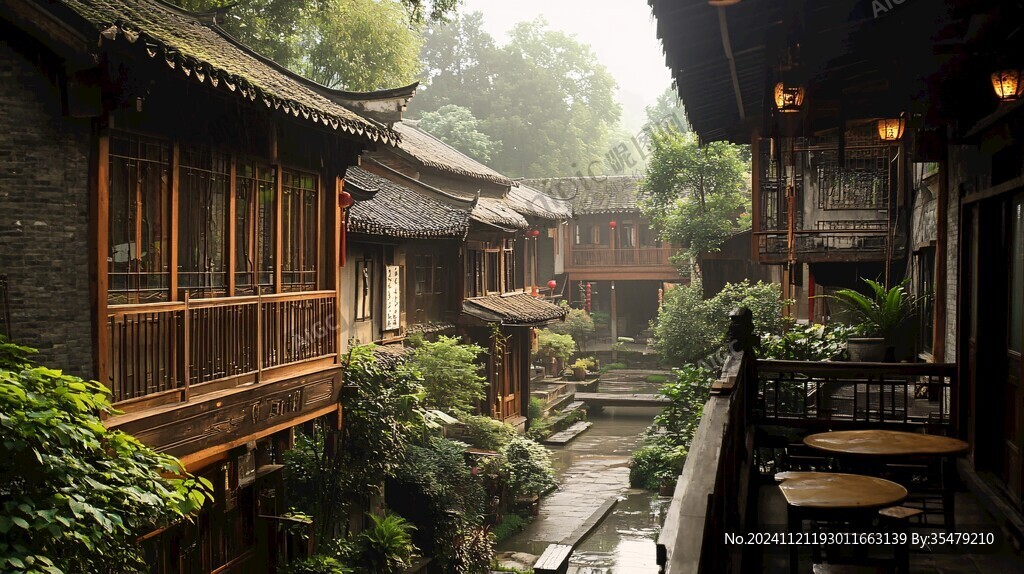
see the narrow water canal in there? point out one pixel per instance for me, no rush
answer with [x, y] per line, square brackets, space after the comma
[593, 469]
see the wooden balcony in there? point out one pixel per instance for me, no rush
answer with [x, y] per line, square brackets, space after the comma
[628, 263]
[731, 455]
[164, 352]
[832, 245]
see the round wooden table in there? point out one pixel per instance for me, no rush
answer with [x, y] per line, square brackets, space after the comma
[832, 495]
[885, 443]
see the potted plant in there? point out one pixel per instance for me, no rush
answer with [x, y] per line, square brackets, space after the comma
[881, 315]
[580, 368]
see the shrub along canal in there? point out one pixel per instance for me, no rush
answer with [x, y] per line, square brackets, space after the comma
[592, 470]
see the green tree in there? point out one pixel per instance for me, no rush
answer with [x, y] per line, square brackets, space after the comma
[457, 127]
[667, 111]
[578, 324]
[695, 195]
[357, 45]
[543, 95]
[451, 373]
[77, 495]
[690, 329]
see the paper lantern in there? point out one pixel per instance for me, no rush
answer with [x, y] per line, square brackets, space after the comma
[1007, 85]
[552, 284]
[891, 129]
[535, 233]
[612, 224]
[788, 98]
[345, 200]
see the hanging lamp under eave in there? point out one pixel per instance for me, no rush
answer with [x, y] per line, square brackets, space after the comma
[1007, 85]
[788, 98]
[891, 129]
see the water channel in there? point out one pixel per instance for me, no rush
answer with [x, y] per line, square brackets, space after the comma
[591, 470]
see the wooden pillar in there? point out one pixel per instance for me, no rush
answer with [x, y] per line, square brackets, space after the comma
[941, 250]
[173, 234]
[100, 217]
[614, 313]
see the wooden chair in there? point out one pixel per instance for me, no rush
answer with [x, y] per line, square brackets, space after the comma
[554, 560]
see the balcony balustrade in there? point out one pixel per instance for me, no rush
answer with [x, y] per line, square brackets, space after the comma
[607, 257]
[169, 348]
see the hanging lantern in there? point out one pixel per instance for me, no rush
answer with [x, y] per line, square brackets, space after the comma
[1007, 85]
[891, 129]
[788, 98]
[552, 284]
[535, 233]
[612, 224]
[345, 200]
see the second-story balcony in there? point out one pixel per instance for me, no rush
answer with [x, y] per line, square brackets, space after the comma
[604, 263]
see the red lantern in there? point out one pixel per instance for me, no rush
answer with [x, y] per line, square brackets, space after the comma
[345, 200]
[535, 233]
[552, 284]
[612, 224]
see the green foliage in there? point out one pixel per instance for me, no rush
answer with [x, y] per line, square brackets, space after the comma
[485, 432]
[667, 107]
[807, 343]
[614, 367]
[435, 490]
[472, 551]
[579, 325]
[379, 422]
[655, 463]
[694, 194]
[586, 363]
[319, 564]
[451, 375]
[882, 313]
[689, 328]
[512, 524]
[543, 97]
[656, 379]
[457, 127]
[357, 45]
[528, 466]
[385, 547]
[76, 495]
[537, 408]
[553, 345]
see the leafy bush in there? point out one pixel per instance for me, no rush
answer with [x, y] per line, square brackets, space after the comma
[807, 343]
[689, 328]
[485, 432]
[528, 467]
[655, 463]
[435, 490]
[512, 524]
[386, 546]
[319, 564]
[656, 379]
[537, 408]
[451, 373]
[578, 324]
[379, 421]
[585, 363]
[473, 551]
[884, 312]
[614, 367]
[77, 495]
[552, 345]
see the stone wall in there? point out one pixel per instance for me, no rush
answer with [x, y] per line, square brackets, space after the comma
[44, 218]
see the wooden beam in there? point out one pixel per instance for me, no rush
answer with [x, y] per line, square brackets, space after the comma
[232, 259]
[941, 246]
[174, 231]
[100, 217]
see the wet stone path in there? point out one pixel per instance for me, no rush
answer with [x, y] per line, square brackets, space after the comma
[593, 469]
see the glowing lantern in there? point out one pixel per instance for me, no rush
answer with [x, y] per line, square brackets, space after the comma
[788, 99]
[552, 284]
[723, 2]
[1007, 85]
[891, 129]
[612, 224]
[535, 233]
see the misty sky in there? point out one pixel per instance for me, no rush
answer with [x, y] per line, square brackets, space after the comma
[621, 33]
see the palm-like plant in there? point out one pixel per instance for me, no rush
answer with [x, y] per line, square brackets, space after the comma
[884, 312]
[386, 546]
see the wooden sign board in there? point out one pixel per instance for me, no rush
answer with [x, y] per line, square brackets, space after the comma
[393, 298]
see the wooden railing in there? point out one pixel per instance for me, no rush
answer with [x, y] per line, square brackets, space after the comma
[607, 257]
[166, 348]
[837, 394]
[714, 489]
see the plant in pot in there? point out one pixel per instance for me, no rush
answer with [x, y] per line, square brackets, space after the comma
[882, 316]
[580, 368]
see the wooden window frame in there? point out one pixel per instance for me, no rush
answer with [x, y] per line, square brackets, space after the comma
[364, 286]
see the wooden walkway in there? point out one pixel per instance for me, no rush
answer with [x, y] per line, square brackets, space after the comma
[622, 400]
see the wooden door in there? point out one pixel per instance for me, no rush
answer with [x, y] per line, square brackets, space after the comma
[1013, 395]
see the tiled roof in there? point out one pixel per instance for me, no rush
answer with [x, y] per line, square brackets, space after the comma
[435, 154]
[397, 211]
[430, 328]
[593, 195]
[197, 47]
[494, 211]
[389, 356]
[513, 309]
[529, 201]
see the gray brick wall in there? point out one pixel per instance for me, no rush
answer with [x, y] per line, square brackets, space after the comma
[44, 222]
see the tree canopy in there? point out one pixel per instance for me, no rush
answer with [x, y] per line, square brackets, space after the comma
[542, 97]
[76, 495]
[356, 45]
[695, 195]
[457, 127]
